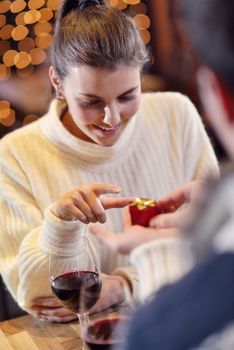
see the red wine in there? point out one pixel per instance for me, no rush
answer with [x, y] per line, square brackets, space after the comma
[103, 334]
[77, 291]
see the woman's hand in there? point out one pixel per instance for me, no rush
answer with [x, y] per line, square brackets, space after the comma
[49, 309]
[87, 203]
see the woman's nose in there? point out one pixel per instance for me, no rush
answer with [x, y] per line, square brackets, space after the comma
[112, 115]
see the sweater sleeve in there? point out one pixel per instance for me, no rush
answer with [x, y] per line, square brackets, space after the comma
[158, 263]
[26, 234]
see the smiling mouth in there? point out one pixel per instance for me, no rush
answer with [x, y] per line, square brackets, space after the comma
[106, 129]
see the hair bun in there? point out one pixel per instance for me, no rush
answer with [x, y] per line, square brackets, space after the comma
[86, 3]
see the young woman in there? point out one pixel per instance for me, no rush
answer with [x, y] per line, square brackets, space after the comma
[99, 131]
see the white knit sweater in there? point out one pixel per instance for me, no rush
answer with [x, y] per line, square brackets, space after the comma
[163, 146]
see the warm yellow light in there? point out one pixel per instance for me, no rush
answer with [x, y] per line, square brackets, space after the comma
[10, 120]
[42, 27]
[17, 6]
[19, 33]
[2, 20]
[26, 44]
[53, 4]
[145, 34]
[4, 113]
[4, 46]
[30, 118]
[44, 40]
[5, 32]
[8, 58]
[4, 109]
[5, 6]
[32, 16]
[37, 56]
[114, 3]
[22, 60]
[142, 21]
[132, 2]
[121, 5]
[46, 15]
[19, 19]
[138, 9]
[4, 72]
[35, 4]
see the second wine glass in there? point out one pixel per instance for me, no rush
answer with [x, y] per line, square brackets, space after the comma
[74, 274]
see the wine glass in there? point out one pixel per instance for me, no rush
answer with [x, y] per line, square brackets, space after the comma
[74, 274]
[105, 329]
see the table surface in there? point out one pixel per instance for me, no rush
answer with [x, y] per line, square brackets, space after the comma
[29, 333]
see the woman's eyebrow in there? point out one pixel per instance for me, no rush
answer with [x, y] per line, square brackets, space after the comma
[99, 97]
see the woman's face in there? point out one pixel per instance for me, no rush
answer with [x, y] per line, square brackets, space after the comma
[101, 102]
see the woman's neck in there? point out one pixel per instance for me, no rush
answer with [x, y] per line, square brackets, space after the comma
[71, 126]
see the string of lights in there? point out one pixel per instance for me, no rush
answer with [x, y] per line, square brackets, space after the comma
[26, 34]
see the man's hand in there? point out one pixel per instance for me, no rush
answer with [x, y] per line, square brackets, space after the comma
[112, 293]
[132, 236]
[182, 197]
[51, 310]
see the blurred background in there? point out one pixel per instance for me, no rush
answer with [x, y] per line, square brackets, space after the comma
[25, 38]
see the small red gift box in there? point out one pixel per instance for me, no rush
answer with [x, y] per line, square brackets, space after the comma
[142, 210]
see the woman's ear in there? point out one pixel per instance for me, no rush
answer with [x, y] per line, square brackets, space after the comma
[56, 83]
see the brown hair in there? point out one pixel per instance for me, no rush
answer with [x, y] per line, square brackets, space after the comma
[91, 33]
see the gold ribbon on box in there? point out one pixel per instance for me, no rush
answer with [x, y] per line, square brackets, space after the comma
[142, 203]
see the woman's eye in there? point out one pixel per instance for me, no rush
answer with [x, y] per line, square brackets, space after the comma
[90, 103]
[127, 98]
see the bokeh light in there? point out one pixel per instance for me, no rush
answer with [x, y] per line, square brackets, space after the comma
[27, 44]
[53, 4]
[19, 19]
[32, 16]
[4, 72]
[4, 46]
[5, 32]
[18, 6]
[19, 33]
[46, 15]
[2, 20]
[30, 118]
[35, 4]
[26, 35]
[44, 40]
[10, 119]
[22, 59]
[5, 6]
[142, 21]
[132, 2]
[37, 56]
[8, 58]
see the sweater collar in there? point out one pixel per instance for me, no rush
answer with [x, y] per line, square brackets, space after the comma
[86, 151]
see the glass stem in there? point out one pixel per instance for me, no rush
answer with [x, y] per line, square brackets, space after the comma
[83, 319]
